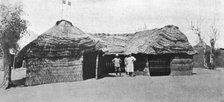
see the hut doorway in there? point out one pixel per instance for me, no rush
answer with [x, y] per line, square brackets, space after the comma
[89, 65]
[107, 66]
[140, 62]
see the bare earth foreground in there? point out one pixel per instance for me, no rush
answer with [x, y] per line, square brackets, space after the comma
[204, 86]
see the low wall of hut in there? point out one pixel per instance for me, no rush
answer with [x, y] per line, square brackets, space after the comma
[164, 64]
[160, 64]
[48, 70]
[181, 65]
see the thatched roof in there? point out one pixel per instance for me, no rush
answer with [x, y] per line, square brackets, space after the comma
[116, 43]
[64, 29]
[168, 39]
[62, 40]
[65, 37]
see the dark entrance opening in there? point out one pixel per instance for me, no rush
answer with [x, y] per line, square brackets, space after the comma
[89, 65]
[107, 66]
[140, 63]
[159, 65]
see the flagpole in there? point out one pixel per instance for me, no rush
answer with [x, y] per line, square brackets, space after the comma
[62, 9]
[70, 11]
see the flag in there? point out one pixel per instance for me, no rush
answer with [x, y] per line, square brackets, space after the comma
[69, 3]
[63, 1]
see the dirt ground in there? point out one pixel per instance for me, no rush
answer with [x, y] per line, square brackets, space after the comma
[203, 86]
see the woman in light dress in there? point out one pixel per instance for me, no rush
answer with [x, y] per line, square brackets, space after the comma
[129, 62]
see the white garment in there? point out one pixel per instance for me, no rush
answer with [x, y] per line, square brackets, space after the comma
[130, 64]
[125, 63]
[116, 62]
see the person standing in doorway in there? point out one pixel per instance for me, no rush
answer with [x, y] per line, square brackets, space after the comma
[117, 66]
[129, 61]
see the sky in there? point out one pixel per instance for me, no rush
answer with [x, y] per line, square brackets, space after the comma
[128, 16]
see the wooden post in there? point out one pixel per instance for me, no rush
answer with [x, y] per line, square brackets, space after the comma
[97, 60]
[14, 61]
[212, 50]
[147, 66]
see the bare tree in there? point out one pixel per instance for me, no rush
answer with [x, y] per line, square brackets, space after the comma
[197, 30]
[213, 36]
[11, 27]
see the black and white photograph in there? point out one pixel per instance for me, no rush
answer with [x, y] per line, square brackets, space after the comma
[111, 51]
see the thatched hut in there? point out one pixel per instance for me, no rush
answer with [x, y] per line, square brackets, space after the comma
[63, 53]
[165, 50]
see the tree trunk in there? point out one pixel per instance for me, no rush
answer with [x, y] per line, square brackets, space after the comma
[7, 64]
[204, 56]
[212, 65]
[146, 70]
[212, 51]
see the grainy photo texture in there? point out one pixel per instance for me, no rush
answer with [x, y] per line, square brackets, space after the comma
[111, 51]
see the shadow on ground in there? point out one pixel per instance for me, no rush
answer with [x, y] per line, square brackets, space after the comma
[19, 82]
[107, 75]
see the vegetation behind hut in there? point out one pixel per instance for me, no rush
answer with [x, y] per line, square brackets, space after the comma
[12, 25]
[198, 58]
[219, 58]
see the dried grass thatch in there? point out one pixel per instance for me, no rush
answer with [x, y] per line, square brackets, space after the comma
[45, 55]
[181, 66]
[169, 41]
[166, 40]
[62, 40]
[57, 54]
[116, 43]
[182, 61]
[45, 70]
